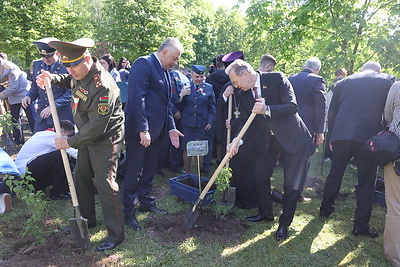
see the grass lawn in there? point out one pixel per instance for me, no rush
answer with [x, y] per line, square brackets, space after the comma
[312, 241]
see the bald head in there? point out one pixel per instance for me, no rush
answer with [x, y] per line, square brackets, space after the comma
[372, 66]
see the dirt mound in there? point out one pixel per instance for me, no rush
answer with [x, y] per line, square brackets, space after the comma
[168, 228]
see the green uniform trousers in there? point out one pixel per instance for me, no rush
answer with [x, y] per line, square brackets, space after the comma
[100, 161]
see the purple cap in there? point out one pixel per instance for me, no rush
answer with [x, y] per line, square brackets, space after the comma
[230, 57]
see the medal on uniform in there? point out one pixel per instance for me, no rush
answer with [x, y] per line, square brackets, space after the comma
[75, 105]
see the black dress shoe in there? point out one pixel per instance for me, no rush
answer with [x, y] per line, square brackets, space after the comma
[370, 233]
[281, 233]
[153, 209]
[259, 217]
[106, 246]
[130, 221]
[302, 198]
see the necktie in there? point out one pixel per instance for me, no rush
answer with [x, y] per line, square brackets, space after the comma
[255, 92]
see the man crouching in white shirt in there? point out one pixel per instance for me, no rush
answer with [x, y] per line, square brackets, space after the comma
[42, 159]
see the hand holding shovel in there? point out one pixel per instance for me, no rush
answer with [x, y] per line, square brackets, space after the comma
[192, 215]
[79, 227]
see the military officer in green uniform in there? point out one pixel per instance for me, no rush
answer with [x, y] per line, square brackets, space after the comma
[98, 115]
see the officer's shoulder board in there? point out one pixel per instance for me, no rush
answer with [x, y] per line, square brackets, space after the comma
[97, 80]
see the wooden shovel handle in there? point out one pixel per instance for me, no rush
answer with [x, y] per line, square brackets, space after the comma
[228, 131]
[64, 155]
[225, 159]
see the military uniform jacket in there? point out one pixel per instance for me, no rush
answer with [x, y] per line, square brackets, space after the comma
[62, 96]
[198, 108]
[18, 85]
[96, 106]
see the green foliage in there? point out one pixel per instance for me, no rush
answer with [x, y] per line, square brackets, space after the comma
[6, 124]
[136, 28]
[222, 183]
[341, 33]
[36, 205]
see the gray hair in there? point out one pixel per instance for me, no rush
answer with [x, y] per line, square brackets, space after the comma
[372, 65]
[239, 66]
[171, 42]
[313, 64]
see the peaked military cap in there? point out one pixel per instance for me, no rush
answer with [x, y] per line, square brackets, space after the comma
[74, 52]
[43, 45]
[199, 69]
[230, 57]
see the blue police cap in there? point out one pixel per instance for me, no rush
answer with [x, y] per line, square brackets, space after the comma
[199, 69]
[44, 49]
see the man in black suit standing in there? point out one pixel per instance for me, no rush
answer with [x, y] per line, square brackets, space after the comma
[354, 116]
[286, 133]
[309, 89]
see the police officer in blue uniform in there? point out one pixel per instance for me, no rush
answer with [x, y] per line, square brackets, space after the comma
[50, 62]
[197, 106]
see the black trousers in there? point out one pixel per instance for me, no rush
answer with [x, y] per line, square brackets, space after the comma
[48, 169]
[141, 167]
[295, 166]
[18, 134]
[342, 153]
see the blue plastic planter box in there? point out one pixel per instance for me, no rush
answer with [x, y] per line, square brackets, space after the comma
[186, 192]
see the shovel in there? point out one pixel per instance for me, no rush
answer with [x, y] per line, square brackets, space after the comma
[228, 197]
[192, 215]
[79, 227]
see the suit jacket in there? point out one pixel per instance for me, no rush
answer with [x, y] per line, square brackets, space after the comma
[148, 107]
[62, 96]
[310, 95]
[198, 108]
[284, 120]
[355, 112]
[18, 85]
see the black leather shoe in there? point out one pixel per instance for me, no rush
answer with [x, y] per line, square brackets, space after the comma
[107, 246]
[130, 221]
[281, 233]
[153, 209]
[302, 198]
[370, 233]
[259, 217]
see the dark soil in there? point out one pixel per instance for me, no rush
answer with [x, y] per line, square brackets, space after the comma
[190, 182]
[317, 185]
[206, 228]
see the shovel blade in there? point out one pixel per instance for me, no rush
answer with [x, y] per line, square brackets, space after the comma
[80, 232]
[190, 219]
[228, 197]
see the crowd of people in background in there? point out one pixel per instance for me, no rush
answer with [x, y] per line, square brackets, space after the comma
[166, 107]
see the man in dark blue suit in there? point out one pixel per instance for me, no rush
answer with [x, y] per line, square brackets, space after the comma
[309, 89]
[277, 128]
[354, 116]
[62, 96]
[149, 118]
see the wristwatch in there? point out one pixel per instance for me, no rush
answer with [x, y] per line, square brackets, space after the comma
[267, 111]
